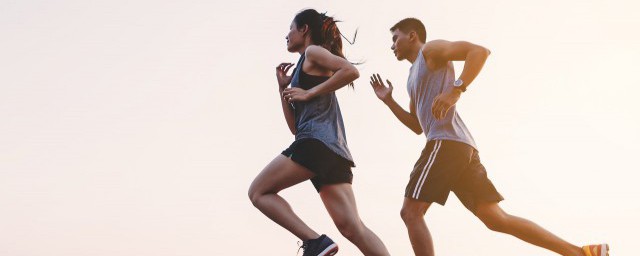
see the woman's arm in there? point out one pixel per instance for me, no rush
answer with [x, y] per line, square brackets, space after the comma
[343, 73]
[283, 82]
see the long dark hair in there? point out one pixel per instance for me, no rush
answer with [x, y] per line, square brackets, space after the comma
[324, 31]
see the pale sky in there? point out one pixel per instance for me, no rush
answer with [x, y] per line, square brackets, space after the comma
[136, 127]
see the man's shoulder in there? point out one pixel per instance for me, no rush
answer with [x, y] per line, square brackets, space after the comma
[434, 46]
[432, 52]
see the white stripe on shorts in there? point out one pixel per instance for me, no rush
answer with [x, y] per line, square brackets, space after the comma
[425, 170]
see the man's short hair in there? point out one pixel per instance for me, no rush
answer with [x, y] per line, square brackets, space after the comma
[412, 24]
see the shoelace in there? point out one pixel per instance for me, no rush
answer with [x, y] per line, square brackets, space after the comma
[303, 247]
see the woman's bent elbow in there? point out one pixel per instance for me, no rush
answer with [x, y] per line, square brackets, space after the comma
[356, 73]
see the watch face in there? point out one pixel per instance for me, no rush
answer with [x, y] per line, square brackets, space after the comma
[457, 83]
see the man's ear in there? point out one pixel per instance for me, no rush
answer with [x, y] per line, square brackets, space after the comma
[413, 36]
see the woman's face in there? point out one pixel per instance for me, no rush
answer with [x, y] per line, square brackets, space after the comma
[295, 38]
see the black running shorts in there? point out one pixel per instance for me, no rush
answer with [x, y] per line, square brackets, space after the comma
[446, 166]
[328, 167]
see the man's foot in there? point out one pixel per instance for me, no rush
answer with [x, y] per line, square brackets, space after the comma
[321, 246]
[596, 250]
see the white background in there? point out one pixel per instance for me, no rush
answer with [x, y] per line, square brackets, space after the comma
[136, 127]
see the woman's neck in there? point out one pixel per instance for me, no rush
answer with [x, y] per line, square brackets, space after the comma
[307, 42]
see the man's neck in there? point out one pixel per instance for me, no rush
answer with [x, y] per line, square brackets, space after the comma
[414, 52]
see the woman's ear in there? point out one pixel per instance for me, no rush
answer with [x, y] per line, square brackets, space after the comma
[304, 29]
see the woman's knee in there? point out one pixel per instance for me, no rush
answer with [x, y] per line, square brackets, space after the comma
[260, 187]
[253, 195]
[255, 192]
[350, 228]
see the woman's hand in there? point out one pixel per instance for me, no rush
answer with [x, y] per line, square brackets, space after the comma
[281, 73]
[296, 94]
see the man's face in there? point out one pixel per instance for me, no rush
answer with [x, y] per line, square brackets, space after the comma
[400, 44]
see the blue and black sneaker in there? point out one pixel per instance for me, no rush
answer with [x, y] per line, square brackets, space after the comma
[321, 246]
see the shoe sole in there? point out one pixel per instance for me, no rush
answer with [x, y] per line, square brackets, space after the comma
[604, 250]
[330, 250]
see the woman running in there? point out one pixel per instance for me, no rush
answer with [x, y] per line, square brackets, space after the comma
[320, 151]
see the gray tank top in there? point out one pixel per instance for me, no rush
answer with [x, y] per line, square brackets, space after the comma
[423, 86]
[319, 118]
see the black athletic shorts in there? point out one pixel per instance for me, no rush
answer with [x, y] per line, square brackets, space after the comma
[329, 167]
[445, 166]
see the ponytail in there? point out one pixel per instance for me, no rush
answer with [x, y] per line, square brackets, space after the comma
[324, 31]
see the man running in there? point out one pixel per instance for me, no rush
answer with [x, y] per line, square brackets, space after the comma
[450, 161]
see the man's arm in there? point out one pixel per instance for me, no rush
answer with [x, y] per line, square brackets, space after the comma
[439, 52]
[474, 56]
[383, 92]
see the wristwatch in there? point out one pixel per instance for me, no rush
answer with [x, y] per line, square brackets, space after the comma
[459, 84]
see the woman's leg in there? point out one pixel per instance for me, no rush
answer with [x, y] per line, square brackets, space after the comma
[341, 205]
[281, 173]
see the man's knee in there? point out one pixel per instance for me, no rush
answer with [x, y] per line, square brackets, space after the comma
[409, 214]
[494, 218]
[413, 210]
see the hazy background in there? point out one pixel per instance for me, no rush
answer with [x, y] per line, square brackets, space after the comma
[136, 127]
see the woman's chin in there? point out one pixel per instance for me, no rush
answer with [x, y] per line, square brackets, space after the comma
[292, 48]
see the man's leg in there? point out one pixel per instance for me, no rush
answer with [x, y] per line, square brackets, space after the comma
[497, 220]
[437, 165]
[412, 214]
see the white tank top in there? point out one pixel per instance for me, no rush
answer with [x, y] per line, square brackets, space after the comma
[423, 86]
